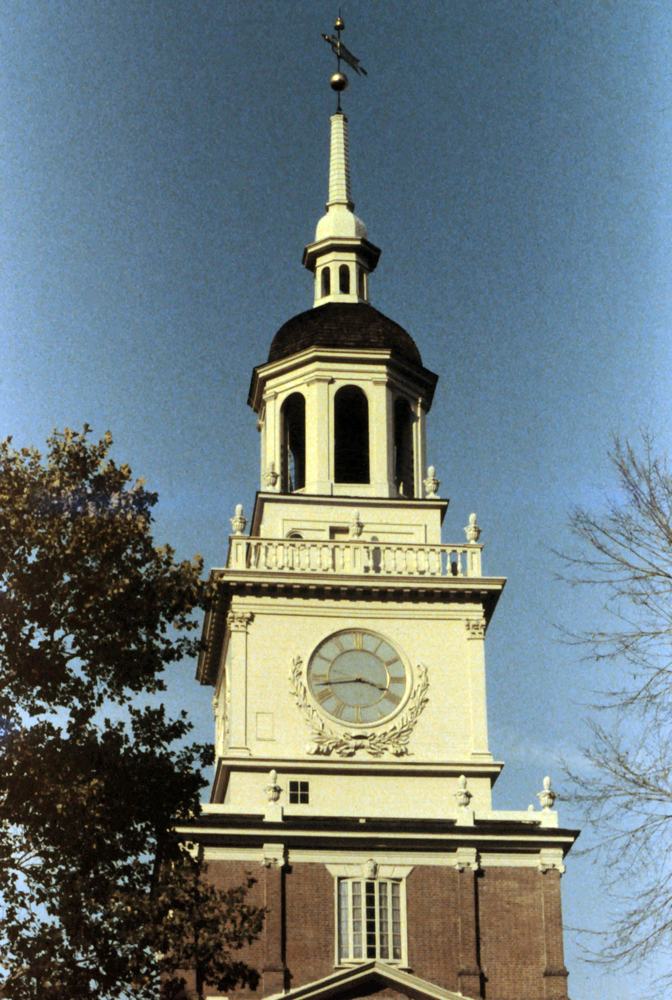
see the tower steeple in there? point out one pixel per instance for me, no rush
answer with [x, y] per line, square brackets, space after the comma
[341, 257]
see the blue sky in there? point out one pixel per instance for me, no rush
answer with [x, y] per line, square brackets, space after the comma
[163, 166]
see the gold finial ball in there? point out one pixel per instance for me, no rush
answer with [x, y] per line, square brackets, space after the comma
[339, 82]
[339, 26]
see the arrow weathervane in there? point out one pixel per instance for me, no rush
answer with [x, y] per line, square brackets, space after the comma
[339, 81]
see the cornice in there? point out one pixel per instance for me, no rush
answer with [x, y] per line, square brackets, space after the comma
[263, 498]
[422, 377]
[497, 839]
[262, 584]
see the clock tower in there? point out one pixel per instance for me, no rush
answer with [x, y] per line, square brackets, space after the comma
[346, 649]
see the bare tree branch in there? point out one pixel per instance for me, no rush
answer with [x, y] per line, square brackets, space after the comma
[625, 784]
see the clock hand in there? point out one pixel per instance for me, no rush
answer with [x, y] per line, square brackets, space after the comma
[342, 680]
[352, 680]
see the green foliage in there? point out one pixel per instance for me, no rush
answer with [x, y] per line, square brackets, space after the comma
[91, 614]
[199, 927]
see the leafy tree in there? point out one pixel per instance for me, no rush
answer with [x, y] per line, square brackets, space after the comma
[626, 787]
[200, 927]
[93, 774]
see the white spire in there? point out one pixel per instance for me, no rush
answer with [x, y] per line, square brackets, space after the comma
[340, 220]
[341, 257]
[339, 164]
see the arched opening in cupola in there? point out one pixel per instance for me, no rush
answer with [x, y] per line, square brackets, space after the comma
[326, 281]
[404, 466]
[293, 443]
[351, 435]
[344, 279]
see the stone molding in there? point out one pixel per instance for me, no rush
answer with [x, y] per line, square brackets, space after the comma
[394, 867]
[365, 869]
[466, 858]
[274, 856]
[239, 621]
[476, 628]
[551, 859]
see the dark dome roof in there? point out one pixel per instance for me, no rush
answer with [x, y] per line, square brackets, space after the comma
[341, 324]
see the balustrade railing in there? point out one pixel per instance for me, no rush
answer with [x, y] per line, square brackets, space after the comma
[353, 558]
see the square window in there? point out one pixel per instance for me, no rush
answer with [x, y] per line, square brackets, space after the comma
[299, 793]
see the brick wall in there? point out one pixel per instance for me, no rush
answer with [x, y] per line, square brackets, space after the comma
[225, 875]
[513, 946]
[310, 923]
[511, 933]
[432, 922]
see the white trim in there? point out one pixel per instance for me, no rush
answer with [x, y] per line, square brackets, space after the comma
[357, 870]
[456, 836]
[342, 863]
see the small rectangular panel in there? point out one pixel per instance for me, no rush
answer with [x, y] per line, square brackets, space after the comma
[264, 725]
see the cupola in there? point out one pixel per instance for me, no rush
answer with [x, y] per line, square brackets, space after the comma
[343, 396]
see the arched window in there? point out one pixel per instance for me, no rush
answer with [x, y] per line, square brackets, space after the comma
[344, 279]
[293, 443]
[351, 435]
[362, 284]
[404, 471]
[326, 281]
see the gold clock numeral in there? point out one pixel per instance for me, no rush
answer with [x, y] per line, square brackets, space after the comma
[359, 640]
[338, 711]
[319, 678]
[323, 695]
[401, 679]
[388, 663]
[391, 696]
[358, 714]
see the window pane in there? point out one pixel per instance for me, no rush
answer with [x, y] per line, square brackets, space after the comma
[383, 921]
[357, 920]
[370, 919]
[343, 922]
[396, 920]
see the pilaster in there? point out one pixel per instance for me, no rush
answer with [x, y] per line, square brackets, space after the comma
[469, 970]
[551, 869]
[273, 969]
[238, 623]
[475, 628]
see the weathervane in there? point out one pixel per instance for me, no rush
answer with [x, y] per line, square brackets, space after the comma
[339, 81]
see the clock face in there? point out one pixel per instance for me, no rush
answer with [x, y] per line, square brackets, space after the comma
[357, 677]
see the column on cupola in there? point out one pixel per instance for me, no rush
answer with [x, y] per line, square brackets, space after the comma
[381, 436]
[318, 434]
[419, 448]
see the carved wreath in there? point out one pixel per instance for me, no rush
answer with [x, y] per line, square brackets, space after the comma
[394, 739]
